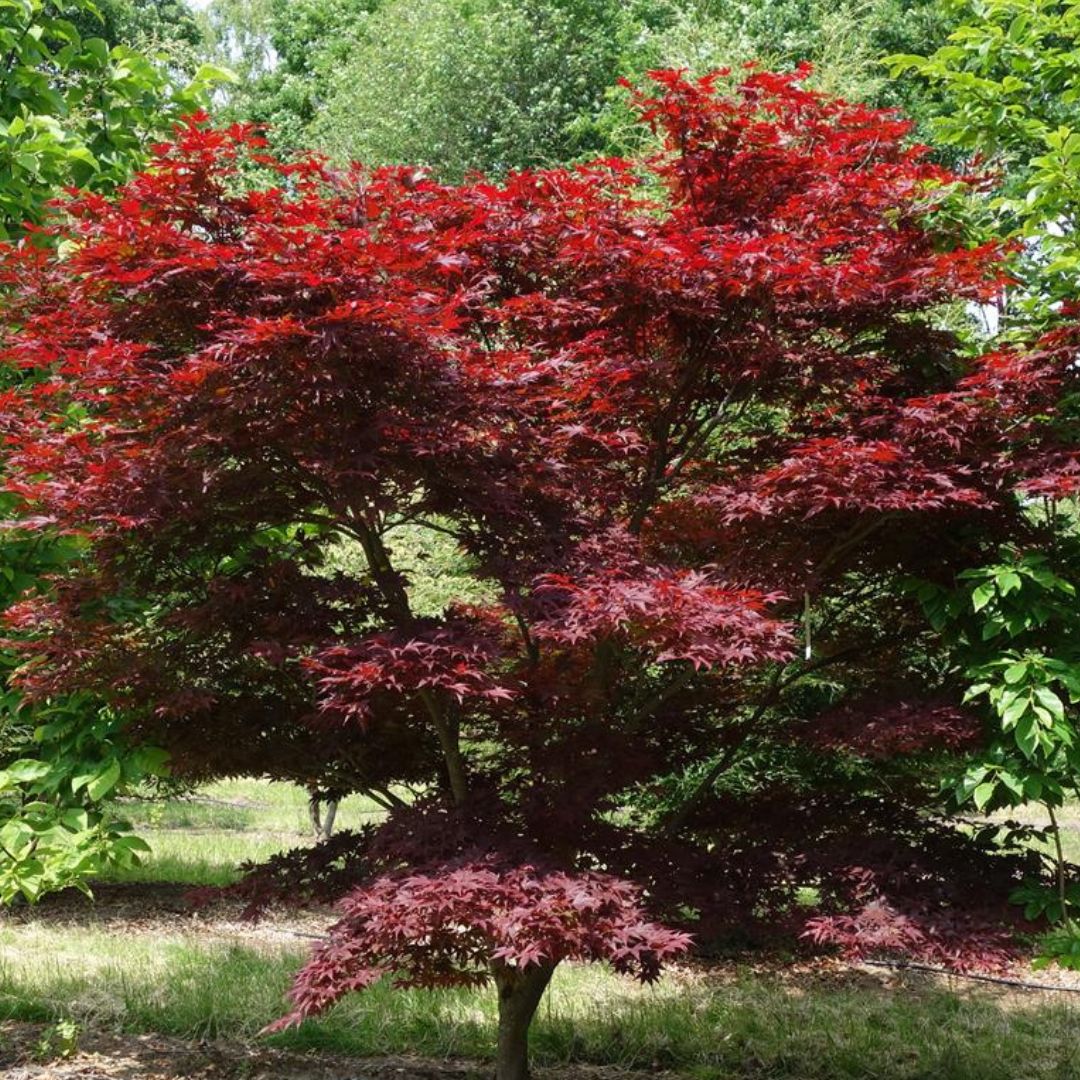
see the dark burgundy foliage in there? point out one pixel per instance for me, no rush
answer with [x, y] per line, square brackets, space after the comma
[884, 729]
[447, 928]
[350, 677]
[960, 933]
[691, 443]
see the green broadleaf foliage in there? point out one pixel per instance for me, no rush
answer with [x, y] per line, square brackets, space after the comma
[1009, 76]
[105, 781]
[76, 107]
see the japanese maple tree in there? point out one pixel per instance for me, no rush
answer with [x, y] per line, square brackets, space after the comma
[686, 420]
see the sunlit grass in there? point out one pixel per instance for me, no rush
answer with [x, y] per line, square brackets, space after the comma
[1068, 817]
[201, 858]
[751, 1026]
[202, 839]
[198, 977]
[241, 806]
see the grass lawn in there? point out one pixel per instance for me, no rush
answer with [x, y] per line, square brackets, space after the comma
[202, 840]
[205, 976]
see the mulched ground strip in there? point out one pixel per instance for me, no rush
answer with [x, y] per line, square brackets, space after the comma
[155, 1057]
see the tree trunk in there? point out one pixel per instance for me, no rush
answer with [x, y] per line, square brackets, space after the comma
[322, 825]
[328, 818]
[520, 991]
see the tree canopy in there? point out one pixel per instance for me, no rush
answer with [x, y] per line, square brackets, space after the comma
[696, 425]
[588, 453]
[1007, 78]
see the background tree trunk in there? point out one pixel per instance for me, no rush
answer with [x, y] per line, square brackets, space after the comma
[520, 991]
[322, 825]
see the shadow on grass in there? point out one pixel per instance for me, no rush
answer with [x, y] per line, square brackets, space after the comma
[112, 902]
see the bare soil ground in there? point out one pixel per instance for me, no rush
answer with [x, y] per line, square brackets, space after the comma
[103, 1056]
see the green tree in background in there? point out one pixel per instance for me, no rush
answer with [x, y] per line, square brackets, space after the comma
[493, 84]
[285, 54]
[1009, 77]
[1008, 84]
[75, 109]
[844, 39]
[143, 24]
[1012, 626]
[488, 84]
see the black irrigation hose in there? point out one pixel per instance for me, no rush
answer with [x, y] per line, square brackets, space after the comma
[903, 965]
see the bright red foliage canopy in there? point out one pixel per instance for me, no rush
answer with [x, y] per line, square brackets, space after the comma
[676, 415]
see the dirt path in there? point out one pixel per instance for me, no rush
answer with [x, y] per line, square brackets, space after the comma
[154, 1057]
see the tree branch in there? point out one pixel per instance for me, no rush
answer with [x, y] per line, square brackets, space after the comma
[777, 685]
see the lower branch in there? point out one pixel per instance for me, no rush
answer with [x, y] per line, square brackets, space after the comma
[449, 743]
